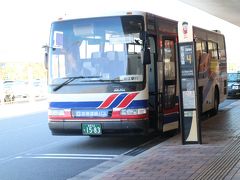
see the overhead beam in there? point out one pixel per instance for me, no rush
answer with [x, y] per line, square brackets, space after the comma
[228, 10]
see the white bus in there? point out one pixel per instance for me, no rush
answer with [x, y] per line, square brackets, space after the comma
[119, 74]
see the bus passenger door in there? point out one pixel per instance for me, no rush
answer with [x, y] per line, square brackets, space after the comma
[152, 85]
[169, 108]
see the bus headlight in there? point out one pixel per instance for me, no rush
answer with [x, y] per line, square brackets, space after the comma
[56, 112]
[127, 112]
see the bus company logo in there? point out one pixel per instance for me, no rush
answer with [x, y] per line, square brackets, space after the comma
[119, 90]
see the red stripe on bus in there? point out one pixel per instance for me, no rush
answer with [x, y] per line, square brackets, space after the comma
[108, 101]
[171, 110]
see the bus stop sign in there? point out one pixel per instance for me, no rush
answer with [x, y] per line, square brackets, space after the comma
[190, 124]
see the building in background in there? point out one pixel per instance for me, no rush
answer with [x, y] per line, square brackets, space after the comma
[25, 71]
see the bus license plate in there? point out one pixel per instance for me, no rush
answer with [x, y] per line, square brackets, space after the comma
[91, 129]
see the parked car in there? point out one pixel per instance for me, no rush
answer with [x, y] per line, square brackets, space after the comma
[20, 90]
[6, 91]
[37, 89]
[234, 85]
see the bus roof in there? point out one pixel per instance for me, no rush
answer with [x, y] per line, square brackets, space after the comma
[106, 14]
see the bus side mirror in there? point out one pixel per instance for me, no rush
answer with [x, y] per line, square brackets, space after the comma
[146, 56]
[146, 51]
[46, 47]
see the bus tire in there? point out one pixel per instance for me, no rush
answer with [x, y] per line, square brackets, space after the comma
[200, 103]
[216, 102]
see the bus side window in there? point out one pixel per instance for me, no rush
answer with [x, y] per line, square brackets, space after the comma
[213, 50]
[214, 63]
[169, 59]
[202, 59]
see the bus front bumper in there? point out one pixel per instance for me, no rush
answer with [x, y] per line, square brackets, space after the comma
[111, 127]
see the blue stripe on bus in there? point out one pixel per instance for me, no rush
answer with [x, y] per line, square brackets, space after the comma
[95, 104]
[171, 118]
[117, 101]
[138, 104]
[69, 105]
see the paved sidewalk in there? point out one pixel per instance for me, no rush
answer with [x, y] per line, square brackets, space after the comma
[217, 158]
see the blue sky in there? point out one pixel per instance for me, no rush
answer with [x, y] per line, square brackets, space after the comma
[25, 25]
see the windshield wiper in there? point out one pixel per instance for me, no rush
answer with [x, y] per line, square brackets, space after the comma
[106, 80]
[70, 79]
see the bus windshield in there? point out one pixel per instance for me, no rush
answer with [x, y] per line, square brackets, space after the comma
[107, 48]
